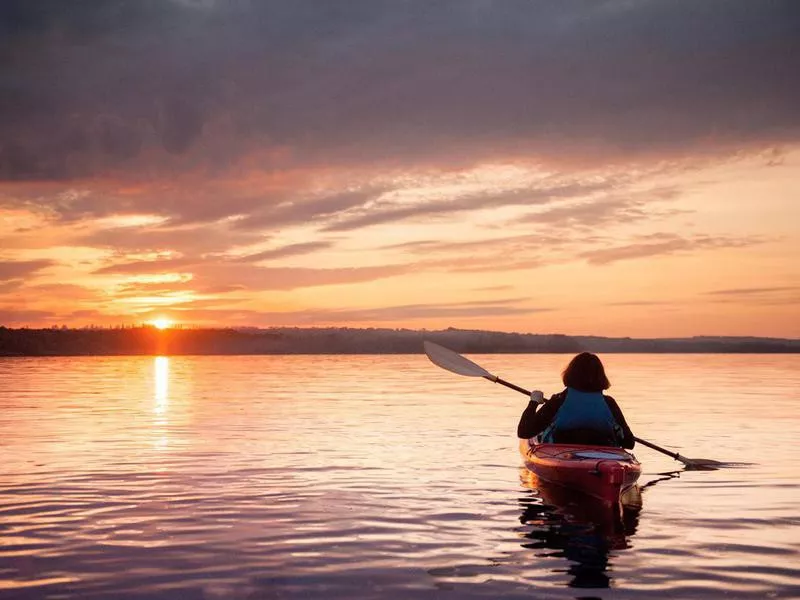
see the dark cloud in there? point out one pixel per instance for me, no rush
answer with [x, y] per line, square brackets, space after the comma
[93, 87]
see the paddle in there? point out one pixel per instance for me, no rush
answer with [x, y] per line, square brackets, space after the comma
[455, 363]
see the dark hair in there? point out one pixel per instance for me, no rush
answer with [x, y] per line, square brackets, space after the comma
[585, 373]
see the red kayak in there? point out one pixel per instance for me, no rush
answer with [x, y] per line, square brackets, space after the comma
[603, 472]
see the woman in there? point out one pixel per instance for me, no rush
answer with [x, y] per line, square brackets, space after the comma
[581, 414]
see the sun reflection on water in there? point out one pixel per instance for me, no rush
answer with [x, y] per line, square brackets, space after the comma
[161, 397]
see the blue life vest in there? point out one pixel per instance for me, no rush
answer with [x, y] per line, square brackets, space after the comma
[583, 411]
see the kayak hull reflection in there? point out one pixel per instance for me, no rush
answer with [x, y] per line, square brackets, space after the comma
[602, 472]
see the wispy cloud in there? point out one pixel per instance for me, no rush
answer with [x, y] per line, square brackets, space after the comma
[296, 210]
[144, 267]
[754, 296]
[16, 316]
[499, 307]
[382, 314]
[753, 291]
[298, 249]
[663, 244]
[20, 269]
[390, 212]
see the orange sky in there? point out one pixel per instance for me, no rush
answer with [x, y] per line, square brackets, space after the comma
[390, 169]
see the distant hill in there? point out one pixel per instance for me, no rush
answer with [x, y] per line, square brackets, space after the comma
[343, 340]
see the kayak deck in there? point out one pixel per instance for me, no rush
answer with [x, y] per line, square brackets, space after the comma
[604, 472]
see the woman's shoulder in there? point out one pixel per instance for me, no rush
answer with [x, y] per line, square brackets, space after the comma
[610, 401]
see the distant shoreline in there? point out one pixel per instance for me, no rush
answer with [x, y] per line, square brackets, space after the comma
[149, 341]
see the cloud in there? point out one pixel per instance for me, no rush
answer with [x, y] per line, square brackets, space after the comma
[504, 244]
[257, 278]
[388, 212]
[20, 269]
[66, 292]
[193, 240]
[21, 317]
[589, 214]
[147, 267]
[234, 275]
[662, 244]
[297, 210]
[493, 288]
[499, 307]
[147, 288]
[388, 314]
[284, 251]
[770, 296]
[10, 285]
[640, 303]
[753, 291]
[154, 87]
[497, 262]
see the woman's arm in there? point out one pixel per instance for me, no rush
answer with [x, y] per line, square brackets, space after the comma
[533, 422]
[627, 434]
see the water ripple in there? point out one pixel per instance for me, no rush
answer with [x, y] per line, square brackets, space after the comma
[256, 477]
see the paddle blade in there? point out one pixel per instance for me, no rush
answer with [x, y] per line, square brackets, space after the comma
[453, 362]
[706, 464]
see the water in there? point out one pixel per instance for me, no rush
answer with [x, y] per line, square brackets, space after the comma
[383, 477]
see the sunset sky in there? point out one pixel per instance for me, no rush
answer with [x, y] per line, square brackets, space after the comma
[619, 168]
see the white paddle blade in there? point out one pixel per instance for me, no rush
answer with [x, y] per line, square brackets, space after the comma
[453, 362]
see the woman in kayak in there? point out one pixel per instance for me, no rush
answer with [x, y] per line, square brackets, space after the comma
[581, 414]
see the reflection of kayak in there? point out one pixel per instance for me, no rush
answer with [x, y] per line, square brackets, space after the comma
[600, 471]
[580, 535]
[565, 518]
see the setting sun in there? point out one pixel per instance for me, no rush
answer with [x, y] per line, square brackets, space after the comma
[161, 323]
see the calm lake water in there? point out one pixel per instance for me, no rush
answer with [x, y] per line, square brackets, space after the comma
[383, 477]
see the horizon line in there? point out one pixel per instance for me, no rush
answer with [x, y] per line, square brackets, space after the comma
[191, 327]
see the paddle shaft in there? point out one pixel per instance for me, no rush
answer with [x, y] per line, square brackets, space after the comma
[496, 379]
[674, 455]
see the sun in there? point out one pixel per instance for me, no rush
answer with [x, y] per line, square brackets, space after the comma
[161, 323]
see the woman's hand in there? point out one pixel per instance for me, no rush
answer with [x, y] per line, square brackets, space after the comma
[537, 397]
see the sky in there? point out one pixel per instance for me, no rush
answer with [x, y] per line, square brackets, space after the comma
[608, 167]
